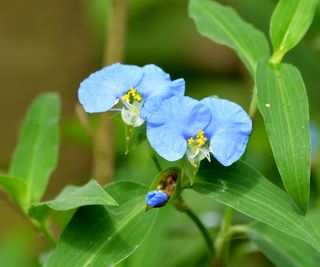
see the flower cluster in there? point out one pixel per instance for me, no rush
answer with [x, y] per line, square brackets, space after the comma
[177, 125]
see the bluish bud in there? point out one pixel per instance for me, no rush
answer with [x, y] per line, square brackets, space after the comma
[156, 198]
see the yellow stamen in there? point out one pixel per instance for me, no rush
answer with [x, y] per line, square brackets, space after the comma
[137, 97]
[132, 93]
[125, 97]
[200, 139]
[190, 141]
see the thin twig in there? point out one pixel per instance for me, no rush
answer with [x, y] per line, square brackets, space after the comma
[104, 145]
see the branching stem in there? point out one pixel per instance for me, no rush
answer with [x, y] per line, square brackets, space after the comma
[222, 242]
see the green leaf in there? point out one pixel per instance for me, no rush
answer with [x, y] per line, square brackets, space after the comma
[99, 236]
[36, 154]
[289, 23]
[283, 250]
[246, 190]
[16, 188]
[72, 197]
[224, 26]
[283, 103]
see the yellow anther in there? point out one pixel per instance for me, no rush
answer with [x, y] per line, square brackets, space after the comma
[126, 97]
[137, 97]
[199, 140]
[190, 141]
[200, 134]
[132, 93]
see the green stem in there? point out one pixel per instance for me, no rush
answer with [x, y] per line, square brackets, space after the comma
[182, 207]
[43, 228]
[46, 231]
[154, 158]
[222, 242]
[36, 225]
[202, 229]
[277, 57]
[253, 104]
[235, 230]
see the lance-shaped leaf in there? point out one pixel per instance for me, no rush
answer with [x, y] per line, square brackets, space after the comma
[283, 103]
[72, 197]
[289, 23]
[283, 250]
[224, 26]
[246, 190]
[99, 236]
[16, 188]
[35, 156]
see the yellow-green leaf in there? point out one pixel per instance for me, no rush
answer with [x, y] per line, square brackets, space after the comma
[72, 197]
[103, 236]
[224, 26]
[282, 249]
[289, 23]
[35, 156]
[283, 103]
[244, 189]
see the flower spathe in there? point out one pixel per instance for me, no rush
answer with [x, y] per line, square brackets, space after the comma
[130, 85]
[182, 125]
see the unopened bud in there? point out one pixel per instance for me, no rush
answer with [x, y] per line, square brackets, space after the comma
[157, 198]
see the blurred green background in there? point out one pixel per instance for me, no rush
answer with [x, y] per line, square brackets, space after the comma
[53, 45]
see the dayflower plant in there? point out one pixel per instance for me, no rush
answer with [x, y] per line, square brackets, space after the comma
[131, 85]
[111, 219]
[182, 125]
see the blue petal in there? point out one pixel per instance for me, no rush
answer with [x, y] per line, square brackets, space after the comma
[168, 143]
[156, 82]
[156, 198]
[228, 131]
[174, 121]
[150, 107]
[101, 89]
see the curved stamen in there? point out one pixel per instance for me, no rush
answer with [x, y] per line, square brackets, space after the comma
[130, 113]
[198, 148]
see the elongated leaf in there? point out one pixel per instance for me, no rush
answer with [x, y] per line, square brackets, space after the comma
[99, 236]
[246, 190]
[16, 189]
[35, 156]
[283, 250]
[224, 26]
[283, 103]
[289, 23]
[72, 197]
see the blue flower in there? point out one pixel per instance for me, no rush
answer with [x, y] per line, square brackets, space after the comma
[130, 85]
[156, 198]
[182, 125]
